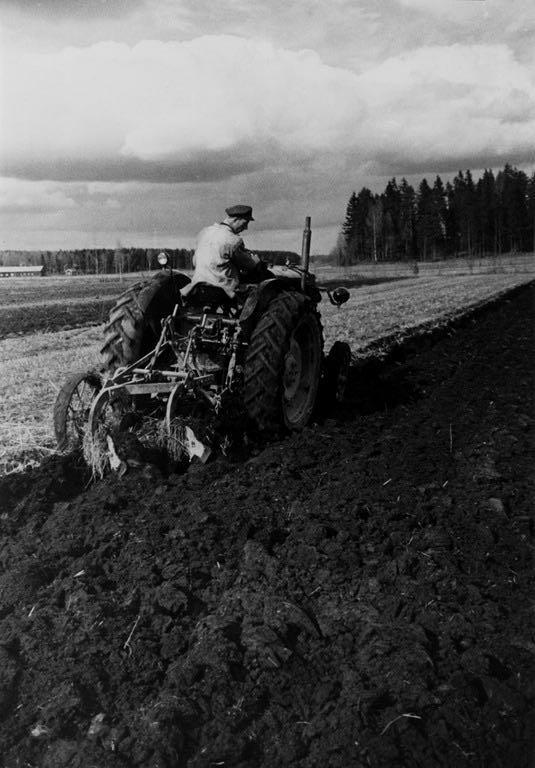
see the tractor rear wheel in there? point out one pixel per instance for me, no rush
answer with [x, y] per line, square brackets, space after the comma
[283, 363]
[134, 324]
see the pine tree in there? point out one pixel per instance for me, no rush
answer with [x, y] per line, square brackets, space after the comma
[470, 212]
[487, 213]
[440, 210]
[407, 214]
[349, 229]
[464, 208]
[531, 213]
[428, 227]
[392, 221]
[512, 187]
[363, 236]
[451, 233]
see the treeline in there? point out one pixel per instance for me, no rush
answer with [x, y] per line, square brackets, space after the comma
[109, 260]
[493, 215]
[118, 260]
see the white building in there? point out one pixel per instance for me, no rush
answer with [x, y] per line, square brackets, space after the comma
[8, 271]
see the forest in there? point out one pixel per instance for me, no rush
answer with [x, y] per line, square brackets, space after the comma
[117, 260]
[490, 216]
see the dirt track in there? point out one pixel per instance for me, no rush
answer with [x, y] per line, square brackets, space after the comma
[358, 595]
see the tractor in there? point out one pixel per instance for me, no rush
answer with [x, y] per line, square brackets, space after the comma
[188, 374]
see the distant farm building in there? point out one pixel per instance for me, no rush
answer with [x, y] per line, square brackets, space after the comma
[8, 271]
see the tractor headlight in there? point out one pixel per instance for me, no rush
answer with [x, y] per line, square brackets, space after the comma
[340, 296]
[162, 259]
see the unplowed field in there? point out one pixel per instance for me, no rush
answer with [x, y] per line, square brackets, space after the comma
[358, 595]
[46, 304]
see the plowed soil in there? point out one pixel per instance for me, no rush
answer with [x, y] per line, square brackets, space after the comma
[27, 319]
[358, 595]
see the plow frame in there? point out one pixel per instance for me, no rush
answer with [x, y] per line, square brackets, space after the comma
[182, 377]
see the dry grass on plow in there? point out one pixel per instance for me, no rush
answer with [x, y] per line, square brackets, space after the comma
[150, 434]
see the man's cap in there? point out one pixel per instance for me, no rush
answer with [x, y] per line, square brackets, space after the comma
[240, 212]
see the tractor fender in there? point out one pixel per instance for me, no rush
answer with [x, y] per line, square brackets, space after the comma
[173, 281]
[260, 296]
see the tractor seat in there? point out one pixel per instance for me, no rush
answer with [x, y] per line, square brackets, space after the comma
[206, 295]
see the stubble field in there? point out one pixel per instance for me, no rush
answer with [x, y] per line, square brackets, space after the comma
[54, 303]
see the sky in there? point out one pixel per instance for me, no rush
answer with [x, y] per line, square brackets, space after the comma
[137, 122]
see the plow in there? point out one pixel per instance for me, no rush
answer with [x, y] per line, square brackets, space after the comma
[189, 376]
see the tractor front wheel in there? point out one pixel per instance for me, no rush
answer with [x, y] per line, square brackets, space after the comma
[72, 407]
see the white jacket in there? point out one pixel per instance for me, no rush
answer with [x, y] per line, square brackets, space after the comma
[218, 256]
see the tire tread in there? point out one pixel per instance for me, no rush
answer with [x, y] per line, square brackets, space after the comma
[268, 346]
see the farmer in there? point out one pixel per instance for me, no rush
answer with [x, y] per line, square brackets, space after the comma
[220, 254]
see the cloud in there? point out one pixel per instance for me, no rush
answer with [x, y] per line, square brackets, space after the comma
[439, 104]
[456, 11]
[438, 6]
[476, 20]
[219, 107]
[73, 8]
[190, 167]
[171, 103]
[23, 197]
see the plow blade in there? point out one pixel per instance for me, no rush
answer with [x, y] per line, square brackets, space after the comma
[195, 447]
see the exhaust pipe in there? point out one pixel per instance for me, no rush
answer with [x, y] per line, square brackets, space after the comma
[305, 251]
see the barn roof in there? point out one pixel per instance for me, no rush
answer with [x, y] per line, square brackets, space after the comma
[22, 270]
